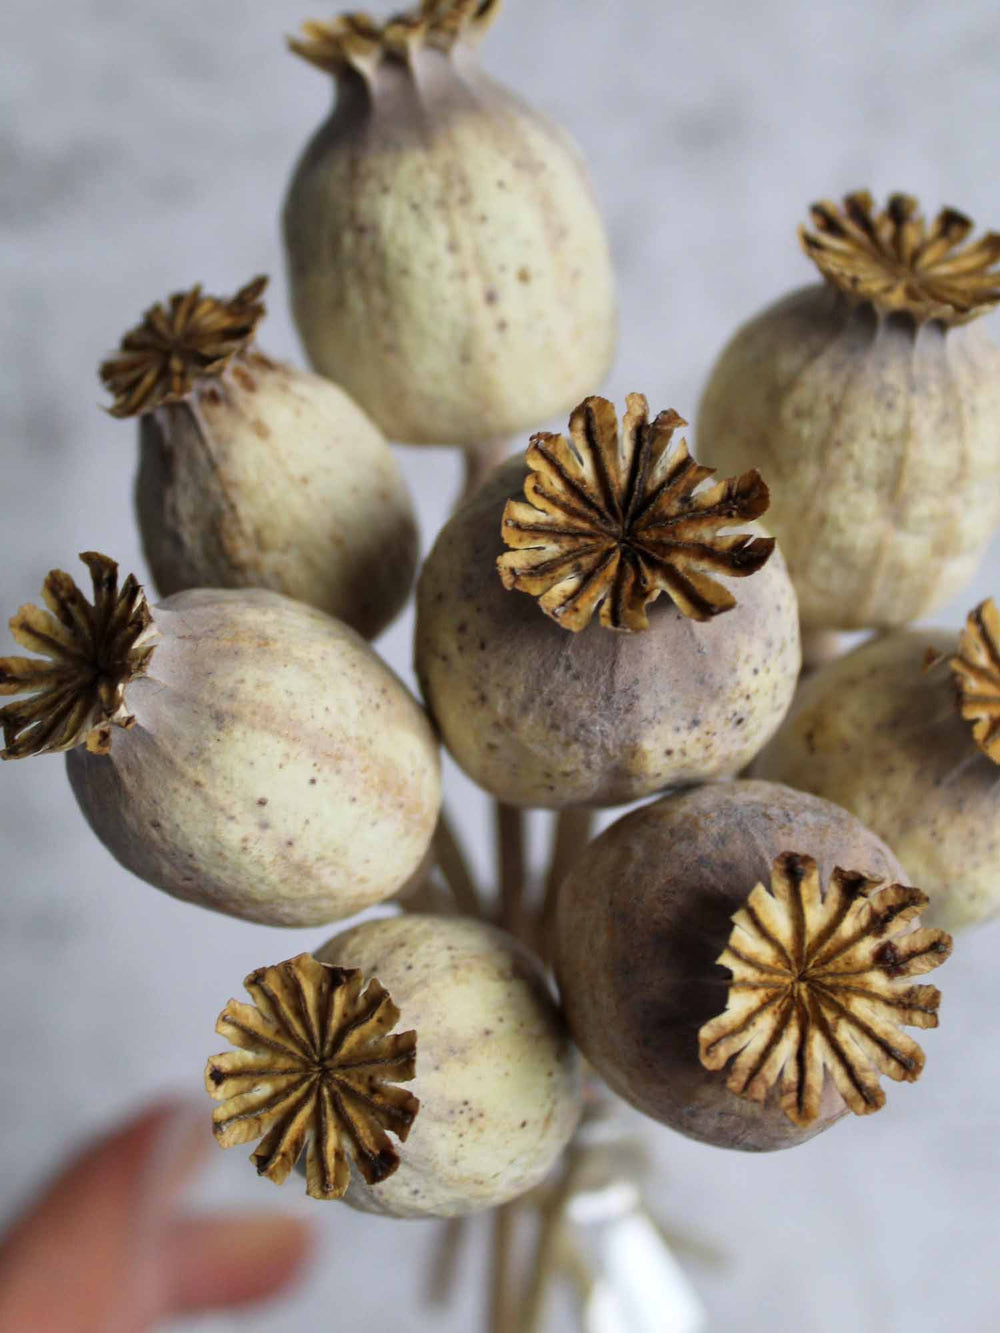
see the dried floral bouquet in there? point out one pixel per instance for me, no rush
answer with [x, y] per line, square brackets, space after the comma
[602, 620]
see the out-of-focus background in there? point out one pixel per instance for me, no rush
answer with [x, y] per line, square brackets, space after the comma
[146, 147]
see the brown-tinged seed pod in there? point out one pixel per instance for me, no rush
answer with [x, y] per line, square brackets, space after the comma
[607, 657]
[912, 747]
[497, 1075]
[872, 404]
[319, 1063]
[235, 748]
[255, 474]
[442, 237]
[671, 896]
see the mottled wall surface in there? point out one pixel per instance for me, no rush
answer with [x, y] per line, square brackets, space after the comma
[147, 147]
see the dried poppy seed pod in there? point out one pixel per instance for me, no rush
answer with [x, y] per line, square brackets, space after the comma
[872, 404]
[255, 474]
[547, 703]
[442, 238]
[643, 923]
[237, 749]
[319, 1062]
[497, 1076]
[891, 740]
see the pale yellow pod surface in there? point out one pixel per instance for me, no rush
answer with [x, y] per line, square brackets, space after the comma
[498, 1078]
[880, 442]
[879, 735]
[447, 261]
[278, 770]
[272, 477]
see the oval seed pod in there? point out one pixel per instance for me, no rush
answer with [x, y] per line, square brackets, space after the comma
[447, 261]
[818, 983]
[550, 704]
[895, 742]
[486, 1059]
[237, 749]
[872, 404]
[255, 474]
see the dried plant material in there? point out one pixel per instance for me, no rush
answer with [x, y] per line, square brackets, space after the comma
[977, 674]
[192, 337]
[894, 259]
[93, 652]
[317, 1062]
[612, 525]
[507, 245]
[820, 983]
[359, 41]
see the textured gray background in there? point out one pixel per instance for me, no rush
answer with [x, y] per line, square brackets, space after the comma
[144, 147]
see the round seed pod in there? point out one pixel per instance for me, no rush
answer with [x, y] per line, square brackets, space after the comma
[497, 1076]
[442, 237]
[546, 703]
[872, 404]
[255, 474]
[892, 739]
[237, 749]
[672, 894]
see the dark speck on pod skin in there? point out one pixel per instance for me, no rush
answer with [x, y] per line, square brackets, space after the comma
[492, 296]
[262, 800]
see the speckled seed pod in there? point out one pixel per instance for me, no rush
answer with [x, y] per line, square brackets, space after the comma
[253, 474]
[872, 405]
[497, 1076]
[236, 749]
[447, 261]
[883, 734]
[647, 916]
[540, 703]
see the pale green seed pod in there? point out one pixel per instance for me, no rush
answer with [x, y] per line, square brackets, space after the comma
[497, 1076]
[872, 406]
[883, 734]
[253, 474]
[659, 652]
[236, 749]
[447, 261]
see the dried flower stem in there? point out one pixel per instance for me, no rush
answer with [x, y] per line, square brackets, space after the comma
[570, 1259]
[453, 1234]
[480, 461]
[552, 1215]
[511, 865]
[820, 646]
[501, 1307]
[454, 866]
[573, 830]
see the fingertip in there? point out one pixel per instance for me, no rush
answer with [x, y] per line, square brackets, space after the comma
[220, 1261]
